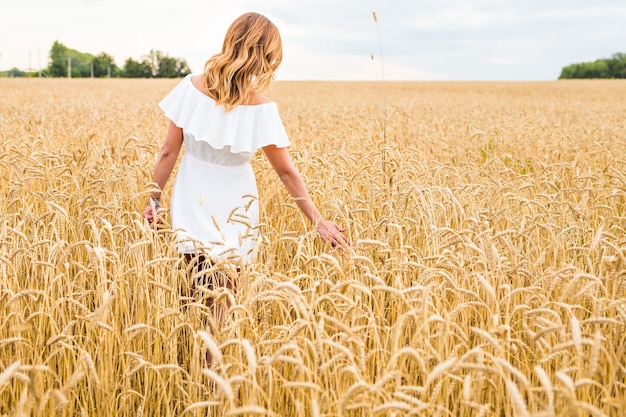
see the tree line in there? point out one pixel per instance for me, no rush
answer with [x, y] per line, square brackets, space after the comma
[64, 62]
[614, 67]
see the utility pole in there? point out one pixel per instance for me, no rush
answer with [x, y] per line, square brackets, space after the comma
[69, 67]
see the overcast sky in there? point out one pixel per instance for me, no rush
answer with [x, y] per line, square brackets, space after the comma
[332, 39]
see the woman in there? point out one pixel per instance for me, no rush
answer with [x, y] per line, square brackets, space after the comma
[223, 120]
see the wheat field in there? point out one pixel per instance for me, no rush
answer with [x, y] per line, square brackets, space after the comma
[487, 275]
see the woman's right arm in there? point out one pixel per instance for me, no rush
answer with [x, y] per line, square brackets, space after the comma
[164, 166]
[281, 161]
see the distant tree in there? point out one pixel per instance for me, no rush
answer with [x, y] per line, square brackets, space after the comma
[59, 57]
[600, 69]
[617, 65]
[134, 69]
[568, 72]
[163, 66]
[172, 68]
[182, 68]
[104, 65]
[614, 67]
[15, 72]
[156, 64]
[81, 63]
[58, 60]
[167, 67]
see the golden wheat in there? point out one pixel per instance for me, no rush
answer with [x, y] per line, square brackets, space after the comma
[487, 276]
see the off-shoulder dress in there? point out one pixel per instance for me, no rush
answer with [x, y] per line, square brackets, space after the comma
[214, 207]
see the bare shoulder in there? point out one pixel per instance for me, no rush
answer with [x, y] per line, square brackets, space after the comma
[197, 81]
[256, 99]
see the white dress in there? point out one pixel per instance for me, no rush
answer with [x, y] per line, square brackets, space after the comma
[214, 204]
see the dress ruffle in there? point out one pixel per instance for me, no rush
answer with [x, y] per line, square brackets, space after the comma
[244, 128]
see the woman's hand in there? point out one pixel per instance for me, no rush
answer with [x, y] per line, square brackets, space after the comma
[151, 213]
[332, 233]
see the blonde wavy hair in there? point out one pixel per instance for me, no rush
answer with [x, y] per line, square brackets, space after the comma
[251, 53]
